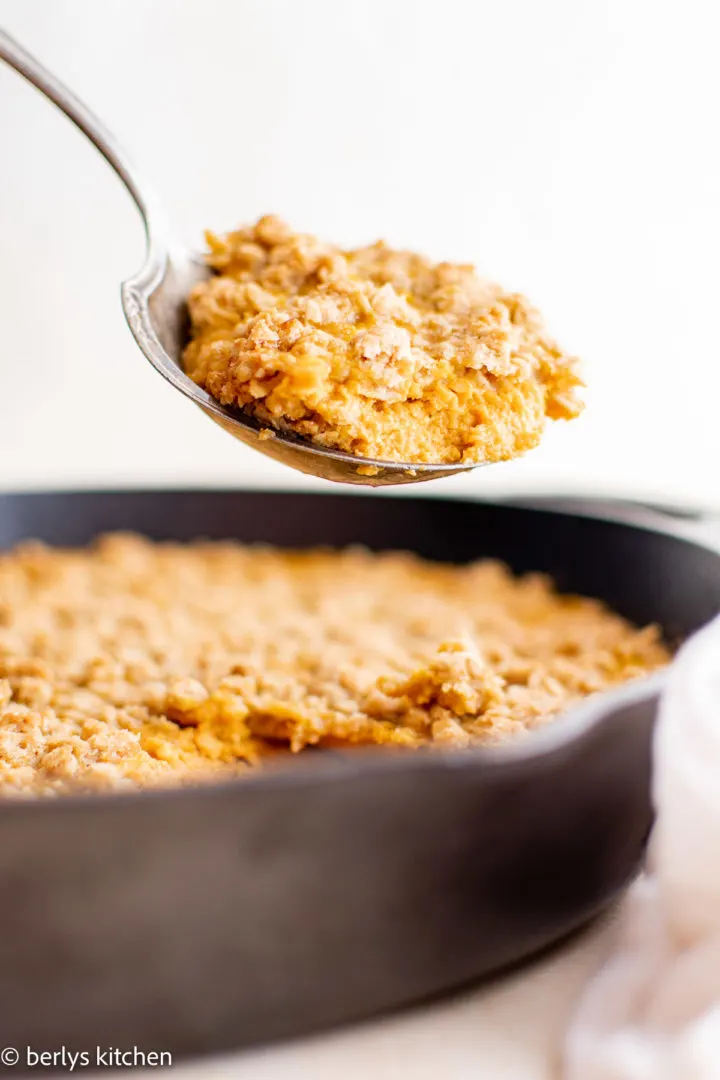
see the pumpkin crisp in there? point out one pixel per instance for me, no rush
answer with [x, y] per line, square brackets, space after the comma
[374, 352]
[133, 664]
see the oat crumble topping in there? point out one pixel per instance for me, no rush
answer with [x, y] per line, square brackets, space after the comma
[136, 664]
[374, 352]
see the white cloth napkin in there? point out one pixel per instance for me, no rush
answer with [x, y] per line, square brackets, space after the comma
[653, 1011]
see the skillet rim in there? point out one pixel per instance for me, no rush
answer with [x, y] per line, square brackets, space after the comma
[569, 727]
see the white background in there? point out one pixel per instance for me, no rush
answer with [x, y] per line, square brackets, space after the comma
[569, 148]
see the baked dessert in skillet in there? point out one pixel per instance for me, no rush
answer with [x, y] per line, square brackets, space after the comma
[132, 664]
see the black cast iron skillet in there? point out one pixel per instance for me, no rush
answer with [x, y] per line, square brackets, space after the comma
[347, 884]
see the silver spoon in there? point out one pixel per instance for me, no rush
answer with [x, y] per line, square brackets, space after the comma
[154, 305]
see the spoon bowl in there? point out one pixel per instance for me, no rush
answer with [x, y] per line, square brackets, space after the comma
[154, 302]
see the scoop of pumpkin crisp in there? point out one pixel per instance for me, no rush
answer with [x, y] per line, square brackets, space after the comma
[374, 352]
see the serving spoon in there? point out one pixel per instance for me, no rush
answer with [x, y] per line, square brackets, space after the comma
[154, 302]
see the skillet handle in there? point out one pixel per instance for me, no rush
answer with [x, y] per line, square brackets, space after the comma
[698, 524]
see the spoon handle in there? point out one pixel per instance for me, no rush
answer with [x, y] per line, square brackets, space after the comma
[47, 83]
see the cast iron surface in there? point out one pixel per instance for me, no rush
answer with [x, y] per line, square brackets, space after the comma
[342, 885]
